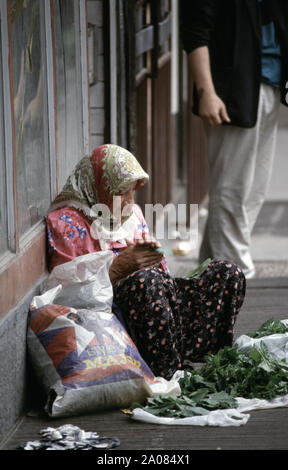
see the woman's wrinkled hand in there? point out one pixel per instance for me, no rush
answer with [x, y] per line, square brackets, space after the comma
[136, 256]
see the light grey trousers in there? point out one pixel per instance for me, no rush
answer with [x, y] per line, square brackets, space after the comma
[240, 162]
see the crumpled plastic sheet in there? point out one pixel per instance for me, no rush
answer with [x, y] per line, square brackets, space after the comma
[70, 437]
[223, 418]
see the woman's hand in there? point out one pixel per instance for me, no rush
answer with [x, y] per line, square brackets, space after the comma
[136, 256]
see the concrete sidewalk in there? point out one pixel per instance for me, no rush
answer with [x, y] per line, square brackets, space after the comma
[265, 429]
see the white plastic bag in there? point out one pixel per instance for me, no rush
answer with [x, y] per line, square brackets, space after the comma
[85, 282]
[277, 344]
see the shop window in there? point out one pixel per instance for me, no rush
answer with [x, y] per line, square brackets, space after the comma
[30, 113]
[43, 63]
[164, 27]
[69, 130]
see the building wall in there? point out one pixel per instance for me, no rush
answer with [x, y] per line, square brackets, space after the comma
[44, 131]
[15, 384]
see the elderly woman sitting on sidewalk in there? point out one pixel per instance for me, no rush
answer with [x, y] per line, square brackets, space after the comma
[173, 321]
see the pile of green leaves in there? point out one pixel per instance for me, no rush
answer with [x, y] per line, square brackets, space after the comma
[223, 377]
[255, 375]
[270, 327]
[199, 402]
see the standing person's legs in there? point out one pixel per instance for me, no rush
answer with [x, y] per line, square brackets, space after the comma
[265, 153]
[240, 163]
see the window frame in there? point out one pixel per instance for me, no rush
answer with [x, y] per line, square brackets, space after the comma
[8, 131]
[48, 52]
[82, 69]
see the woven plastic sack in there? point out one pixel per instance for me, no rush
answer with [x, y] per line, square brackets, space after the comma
[85, 360]
[82, 354]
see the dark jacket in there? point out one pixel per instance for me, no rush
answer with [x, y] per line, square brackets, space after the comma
[232, 31]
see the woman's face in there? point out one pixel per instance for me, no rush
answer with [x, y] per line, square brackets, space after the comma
[128, 196]
[121, 204]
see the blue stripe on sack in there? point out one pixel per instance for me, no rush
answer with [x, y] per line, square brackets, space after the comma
[70, 364]
[45, 337]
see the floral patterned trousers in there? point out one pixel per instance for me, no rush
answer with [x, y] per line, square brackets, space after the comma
[176, 321]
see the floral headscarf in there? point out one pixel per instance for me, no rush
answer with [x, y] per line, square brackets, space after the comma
[108, 172]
